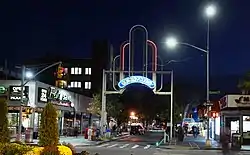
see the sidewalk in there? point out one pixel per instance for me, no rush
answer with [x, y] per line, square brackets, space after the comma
[78, 141]
[199, 143]
[190, 143]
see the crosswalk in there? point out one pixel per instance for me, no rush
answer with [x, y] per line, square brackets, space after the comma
[123, 146]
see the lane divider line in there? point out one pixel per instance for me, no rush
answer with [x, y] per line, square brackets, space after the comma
[146, 147]
[126, 145]
[102, 145]
[135, 146]
[112, 145]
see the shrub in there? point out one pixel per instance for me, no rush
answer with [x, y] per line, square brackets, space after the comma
[48, 131]
[4, 130]
[85, 153]
[70, 146]
[18, 142]
[50, 150]
[14, 149]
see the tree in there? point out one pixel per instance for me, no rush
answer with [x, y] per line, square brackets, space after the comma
[96, 105]
[48, 131]
[113, 105]
[244, 84]
[164, 114]
[4, 130]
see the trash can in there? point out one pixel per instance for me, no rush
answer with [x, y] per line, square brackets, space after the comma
[236, 141]
[29, 135]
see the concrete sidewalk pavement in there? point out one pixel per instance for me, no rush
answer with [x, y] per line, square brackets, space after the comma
[79, 140]
[198, 143]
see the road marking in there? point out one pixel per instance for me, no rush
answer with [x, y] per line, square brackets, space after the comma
[197, 146]
[102, 145]
[112, 145]
[123, 146]
[146, 147]
[135, 146]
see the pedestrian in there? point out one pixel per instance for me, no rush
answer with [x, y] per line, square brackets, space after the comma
[180, 134]
[225, 140]
[76, 131]
[195, 131]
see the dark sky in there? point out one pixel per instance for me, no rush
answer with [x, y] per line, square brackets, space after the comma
[33, 28]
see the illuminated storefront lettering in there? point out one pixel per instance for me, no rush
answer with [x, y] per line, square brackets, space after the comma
[136, 79]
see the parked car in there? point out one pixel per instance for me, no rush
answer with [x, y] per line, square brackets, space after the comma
[137, 129]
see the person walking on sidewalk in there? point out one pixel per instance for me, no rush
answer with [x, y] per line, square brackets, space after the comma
[180, 134]
[195, 131]
[225, 140]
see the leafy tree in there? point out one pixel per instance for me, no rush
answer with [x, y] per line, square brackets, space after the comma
[177, 110]
[96, 105]
[113, 106]
[4, 130]
[244, 84]
[48, 131]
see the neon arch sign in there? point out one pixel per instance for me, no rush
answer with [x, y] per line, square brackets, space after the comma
[136, 79]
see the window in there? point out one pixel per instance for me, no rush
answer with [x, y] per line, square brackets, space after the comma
[76, 70]
[75, 85]
[87, 71]
[87, 85]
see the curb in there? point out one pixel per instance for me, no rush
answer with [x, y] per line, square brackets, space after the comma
[188, 148]
[102, 142]
[111, 140]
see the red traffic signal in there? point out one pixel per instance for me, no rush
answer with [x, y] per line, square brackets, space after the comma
[215, 114]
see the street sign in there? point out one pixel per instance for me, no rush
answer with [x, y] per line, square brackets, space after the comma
[208, 103]
[214, 92]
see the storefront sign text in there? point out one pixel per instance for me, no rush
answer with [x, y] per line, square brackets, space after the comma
[3, 90]
[223, 102]
[136, 79]
[243, 100]
[57, 97]
[42, 95]
[15, 93]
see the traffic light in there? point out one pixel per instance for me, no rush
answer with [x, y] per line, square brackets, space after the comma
[215, 114]
[60, 72]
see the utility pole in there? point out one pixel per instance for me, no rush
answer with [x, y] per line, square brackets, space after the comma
[19, 136]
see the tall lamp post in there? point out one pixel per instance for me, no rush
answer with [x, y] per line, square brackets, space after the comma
[210, 12]
[30, 77]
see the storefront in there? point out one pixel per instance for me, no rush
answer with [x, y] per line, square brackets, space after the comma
[235, 116]
[71, 107]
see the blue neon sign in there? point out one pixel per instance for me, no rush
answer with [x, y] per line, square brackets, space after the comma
[136, 79]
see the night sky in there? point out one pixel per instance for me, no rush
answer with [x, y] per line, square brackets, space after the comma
[33, 28]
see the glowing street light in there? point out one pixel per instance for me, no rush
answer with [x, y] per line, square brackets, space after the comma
[210, 11]
[132, 113]
[29, 75]
[171, 42]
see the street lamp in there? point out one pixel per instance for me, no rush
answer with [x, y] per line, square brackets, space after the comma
[132, 113]
[210, 12]
[29, 76]
[171, 42]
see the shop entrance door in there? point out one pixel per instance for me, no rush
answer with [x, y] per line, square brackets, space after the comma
[232, 123]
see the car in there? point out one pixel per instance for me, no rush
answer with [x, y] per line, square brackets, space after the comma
[137, 129]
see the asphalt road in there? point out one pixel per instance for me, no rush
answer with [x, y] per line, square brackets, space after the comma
[132, 145]
[197, 152]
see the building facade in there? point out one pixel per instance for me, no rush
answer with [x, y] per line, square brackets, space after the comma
[71, 107]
